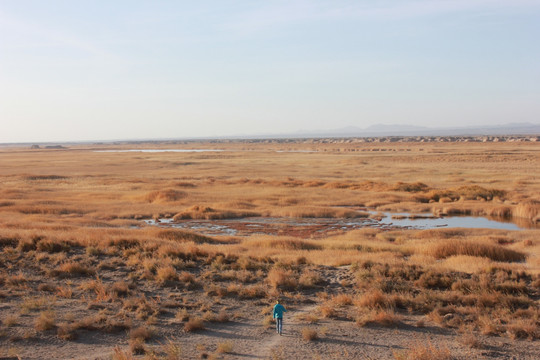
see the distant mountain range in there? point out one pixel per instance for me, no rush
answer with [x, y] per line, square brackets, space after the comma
[410, 130]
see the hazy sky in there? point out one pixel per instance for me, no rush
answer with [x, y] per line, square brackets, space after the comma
[98, 70]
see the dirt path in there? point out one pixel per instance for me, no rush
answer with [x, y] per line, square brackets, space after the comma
[272, 347]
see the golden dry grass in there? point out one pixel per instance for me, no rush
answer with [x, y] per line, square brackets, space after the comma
[74, 219]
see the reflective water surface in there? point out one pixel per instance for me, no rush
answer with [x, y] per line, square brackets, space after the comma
[317, 227]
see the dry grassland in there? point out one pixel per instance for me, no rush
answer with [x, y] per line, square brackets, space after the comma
[80, 270]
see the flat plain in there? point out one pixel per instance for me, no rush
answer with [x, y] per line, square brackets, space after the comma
[110, 253]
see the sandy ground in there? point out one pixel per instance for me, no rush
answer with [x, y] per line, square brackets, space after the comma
[338, 339]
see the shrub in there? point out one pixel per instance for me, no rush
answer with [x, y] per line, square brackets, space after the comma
[310, 279]
[461, 247]
[524, 329]
[379, 317]
[165, 196]
[137, 346]
[45, 321]
[423, 351]
[471, 340]
[282, 279]
[194, 324]
[142, 333]
[166, 274]
[16, 280]
[181, 236]
[182, 314]
[119, 354]
[309, 334]
[66, 332]
[528, 210]
[11, 320]
[407, 187]
[375, 298]
[434, 280]
[268, 321]
[51, 246]
[292, 244]
[342, 299]
[327, 310]
[120, 289]
[225, 348]
[222, 316]
[48, 287]
[71, 269]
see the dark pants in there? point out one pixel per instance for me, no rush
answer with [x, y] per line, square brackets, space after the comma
[279, 325]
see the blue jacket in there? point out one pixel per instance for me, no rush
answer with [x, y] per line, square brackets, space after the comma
[278, 311]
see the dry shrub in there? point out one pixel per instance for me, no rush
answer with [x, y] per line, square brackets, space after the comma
[44, 177]
[119, 354]
[182, 314]
[119, 289]
[222, 316]
[423, 351]
[181, 236]
[309, 334]
[194, 324]
[164, 196]
[51, 246]
[468, 192]
[342, 299]
[64, 292]
[291, 244]
[487, 325]
[449, 248]
[380, 317]
[434, 280]
[172, 351]
[410, 187]
[208, 213]
[527, 210]
[252, 292]
[47, 287]
[16, 280]
[186, 277]
[225, 348]
[268, 321]
[328, 310]
[97, 287]
[318, 212]
[66, 331]
[310, 318]
[45, 321]
[137, 347]
[142, 333]
[71, 269]
[166, 274]
[471, 340]
[282, 279]
[10, 320]
[524, 329]
[375, 298]
[310, 279]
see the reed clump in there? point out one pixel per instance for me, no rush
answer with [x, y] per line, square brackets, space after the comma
[447, 248]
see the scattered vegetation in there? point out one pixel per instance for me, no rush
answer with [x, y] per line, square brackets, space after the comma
[90, 264]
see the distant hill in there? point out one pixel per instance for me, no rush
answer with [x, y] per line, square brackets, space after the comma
[410, 130]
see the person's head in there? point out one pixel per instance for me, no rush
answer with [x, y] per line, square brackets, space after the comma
[277, 301]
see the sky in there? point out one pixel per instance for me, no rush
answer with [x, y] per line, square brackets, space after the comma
[131, 69]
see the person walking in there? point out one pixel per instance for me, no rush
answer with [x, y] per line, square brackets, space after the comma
[278, 316]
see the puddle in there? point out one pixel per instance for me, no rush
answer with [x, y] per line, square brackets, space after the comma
[320, 227]
[428, 221]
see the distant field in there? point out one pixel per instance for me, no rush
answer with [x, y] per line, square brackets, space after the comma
[80, 269]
